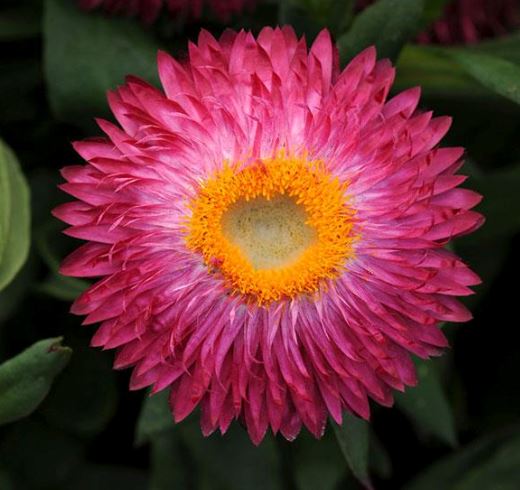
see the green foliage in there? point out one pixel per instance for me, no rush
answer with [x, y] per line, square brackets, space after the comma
[87, 55]
[353, 440]
[388, 24]
[491, 463]
[14, 216]
[26, 379]
[497, 74]
[427, 406]
[155, 417]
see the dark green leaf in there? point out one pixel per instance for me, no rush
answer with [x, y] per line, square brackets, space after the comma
[61, 287]
[427, 406]
[499, 75]
[232, 461]
[379, 458]
[87, 54]
[500, 204]
[388, 24]
[436, 74]
[451, 472]
[317, 465]
[501, 471]
[26, 379]
[14, 216]
[167, 463]
[84, 398]
[353, 439]
[155, 417]
[310, 16]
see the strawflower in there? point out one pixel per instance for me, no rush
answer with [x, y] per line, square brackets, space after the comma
[269, 232]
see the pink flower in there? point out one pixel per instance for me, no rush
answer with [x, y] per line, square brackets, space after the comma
[269, 232]
[149, 10]
[469, 21]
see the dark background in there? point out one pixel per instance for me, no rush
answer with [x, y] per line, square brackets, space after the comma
[83, 435]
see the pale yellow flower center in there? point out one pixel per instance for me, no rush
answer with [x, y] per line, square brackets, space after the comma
[275, 229]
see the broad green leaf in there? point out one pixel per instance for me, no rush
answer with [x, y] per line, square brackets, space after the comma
[436, 74]
[87, 54]
[168, 468]
[500, 204]
[316, 466]
[499, 75]
[52, 245]
[506, 47]
[64, 288]
[14, 216]
[13, 295]
[427, 406]
[353, 439]
[379, 458]
[232, 461]
[26, 379]
[388, 24]
[501, 471]
[84, 398]
[454, 471]
[155, 417]
[310, 16]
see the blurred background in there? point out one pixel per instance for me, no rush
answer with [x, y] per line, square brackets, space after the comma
[68, 421]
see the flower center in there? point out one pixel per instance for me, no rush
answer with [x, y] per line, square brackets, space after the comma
[272, 233]
[274, 229]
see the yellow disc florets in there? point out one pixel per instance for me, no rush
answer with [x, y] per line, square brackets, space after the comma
[274, 229]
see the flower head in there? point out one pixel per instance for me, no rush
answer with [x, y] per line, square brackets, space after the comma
[149, 10]
[269, 232]
[468, 21]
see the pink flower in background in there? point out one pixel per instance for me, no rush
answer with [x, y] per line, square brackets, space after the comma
[469, 21]
[149, 10]
[269, 233]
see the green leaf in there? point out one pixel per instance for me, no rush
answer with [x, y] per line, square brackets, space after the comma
[379, 458]
[353, 439]
[500, 204]
[232, 461]
[51, 245]
[167, 463]
[501, 471]
[310, 16]
[155, 417]
[388, 24]
[427, 406]
[436, 74]
[26, 379]
[14, 216]
[494, 456]
[87, 54]
[316, 465]
[84, 398]
[64, 288]
[499, 75]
